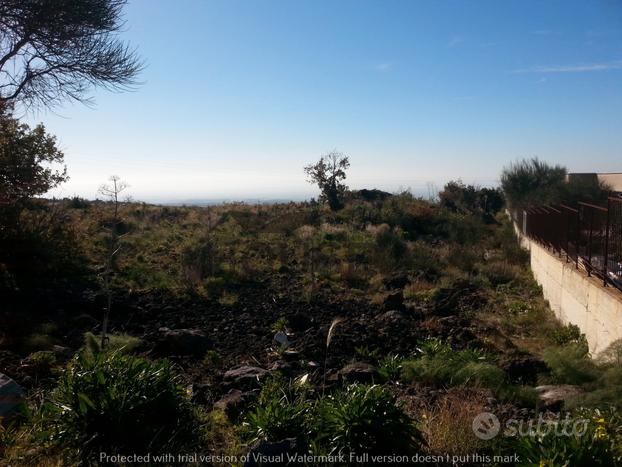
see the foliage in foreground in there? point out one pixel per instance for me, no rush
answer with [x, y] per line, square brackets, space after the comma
[364, 419]
[355, 420]
[121, 404]
[588, 438]
[438, 363]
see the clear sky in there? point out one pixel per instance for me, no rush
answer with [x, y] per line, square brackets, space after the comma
[239, 95]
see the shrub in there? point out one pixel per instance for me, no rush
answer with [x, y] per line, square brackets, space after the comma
[505, 238]
[79, 203]
[390, 367]
[596, 442]
[199, 260]
[448, 423]
[439, 364]
[500, 272]
[570, 334]
[42, 361]
[364, 419]
[391, 249]
[120, 343]
[570, 364]
[470, 199]
[612, 354]
[532, 182]
[279, 325]
[606, 391]
[121, 404]
[36, 342]
[228, 299]
[281, 412]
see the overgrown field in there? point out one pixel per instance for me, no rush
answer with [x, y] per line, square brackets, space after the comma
[382, 328]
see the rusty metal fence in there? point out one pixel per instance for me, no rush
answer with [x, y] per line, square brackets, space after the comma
[590, 236]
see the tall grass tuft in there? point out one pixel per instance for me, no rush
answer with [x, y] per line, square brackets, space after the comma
[329, 338]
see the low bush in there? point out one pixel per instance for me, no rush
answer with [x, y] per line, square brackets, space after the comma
[437, 363]
[364, 420]
[500, 272]
[120, 404]
[606, 391]
[42, 362]
[447, 423]
[356, 420]
[589, 438]
[120, 343]
[212, 358]
[569, 334]
[570, 364]
[390, 367]
[281, 412]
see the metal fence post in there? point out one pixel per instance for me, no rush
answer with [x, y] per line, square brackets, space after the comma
[577, 239]
[606, 259]
[567, 233]
[589, 245]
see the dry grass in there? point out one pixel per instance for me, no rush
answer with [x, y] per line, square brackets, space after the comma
[447, 423]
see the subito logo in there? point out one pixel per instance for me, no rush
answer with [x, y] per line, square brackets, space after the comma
[486, 425]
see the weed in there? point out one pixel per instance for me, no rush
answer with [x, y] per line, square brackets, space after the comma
[42, 362]
[212, 358]
[120, 404]
[570, 364]
[279, 325]
[367, 354]
[118, 343]
[390, 367]
[228, 299]
[281, 412]
[593, 438]
[364, 419]
[447, 423]
[438, 364]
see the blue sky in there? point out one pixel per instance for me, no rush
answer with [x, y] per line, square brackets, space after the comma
[238, 96]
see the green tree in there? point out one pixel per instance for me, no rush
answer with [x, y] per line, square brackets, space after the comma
[328, 173]
[532, 182]
[52, 51]
[27, 160]
[471, 199]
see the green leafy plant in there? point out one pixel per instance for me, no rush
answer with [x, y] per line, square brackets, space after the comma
[42, 362]
[390, 367]
[367, 354]
[570, 364]
[364, 419]
[438, 363]
[281, 412]
[116, 403]
[569, 334]
[595, 439]
[120, 343]
[279, 325]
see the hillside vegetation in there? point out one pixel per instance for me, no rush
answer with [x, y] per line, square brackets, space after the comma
[383, 328]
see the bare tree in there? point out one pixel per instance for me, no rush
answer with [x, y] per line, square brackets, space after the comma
[328, 174]
[52, 51]
[112, 192]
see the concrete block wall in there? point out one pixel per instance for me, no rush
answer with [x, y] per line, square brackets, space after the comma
[576, 298]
